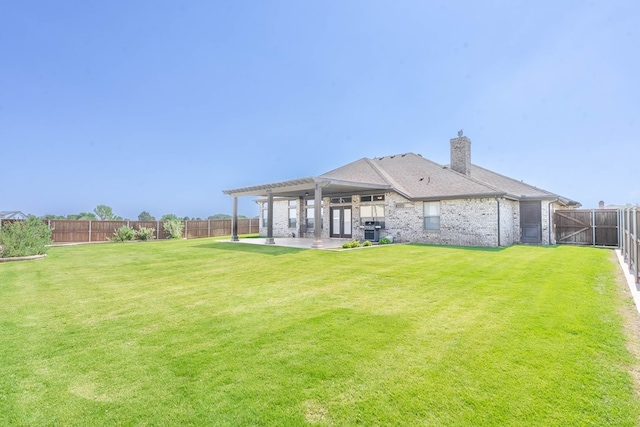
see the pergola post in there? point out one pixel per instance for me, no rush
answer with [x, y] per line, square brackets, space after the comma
[317, 221]
[270, 240]
[234, 221]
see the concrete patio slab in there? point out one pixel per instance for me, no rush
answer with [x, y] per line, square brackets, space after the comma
[296, 242]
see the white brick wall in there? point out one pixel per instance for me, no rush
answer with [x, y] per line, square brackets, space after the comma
[509, 222]
[464, 222]
[281, 220]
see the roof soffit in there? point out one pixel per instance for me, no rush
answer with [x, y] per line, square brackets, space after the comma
[305, 186]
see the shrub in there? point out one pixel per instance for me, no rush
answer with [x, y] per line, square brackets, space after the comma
[24, 238]
[145, 233]
[174, 227]
[384, 241]
[123, 234]
[366, 243]
[352, 244]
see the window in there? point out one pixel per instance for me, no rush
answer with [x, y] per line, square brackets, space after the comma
[375, 198]
[263, 213]
[340, 200]
[293, 214]
[432, 215]
[310, 214]
[373, 209]
[375, 212]
[372, 213]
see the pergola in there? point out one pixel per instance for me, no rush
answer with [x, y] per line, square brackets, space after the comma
[299, 188]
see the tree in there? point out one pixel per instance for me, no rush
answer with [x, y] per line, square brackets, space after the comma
[86, 215]
[104, 212]
[146, 216]
[167, 217]
[224, 216]
[219, 216]
[52, 216]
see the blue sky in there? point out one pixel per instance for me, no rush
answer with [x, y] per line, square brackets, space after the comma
[158, 106]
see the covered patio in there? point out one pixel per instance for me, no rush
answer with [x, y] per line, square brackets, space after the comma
[303, 188]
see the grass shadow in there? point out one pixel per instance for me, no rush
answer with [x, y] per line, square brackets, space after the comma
[251, 248]
[465, 248]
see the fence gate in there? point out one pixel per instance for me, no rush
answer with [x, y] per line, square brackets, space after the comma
[594, 227]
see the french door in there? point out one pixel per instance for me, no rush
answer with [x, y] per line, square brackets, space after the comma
[341, 222]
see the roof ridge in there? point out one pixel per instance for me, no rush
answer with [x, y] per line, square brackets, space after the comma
[363, 159]
[385, 176]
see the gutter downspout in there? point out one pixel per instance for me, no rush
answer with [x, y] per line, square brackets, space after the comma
[498, 201]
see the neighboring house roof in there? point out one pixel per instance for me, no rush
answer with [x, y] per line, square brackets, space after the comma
[410, 175]
[12, 215]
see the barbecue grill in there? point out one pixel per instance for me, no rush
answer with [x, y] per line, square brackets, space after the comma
[372, 230]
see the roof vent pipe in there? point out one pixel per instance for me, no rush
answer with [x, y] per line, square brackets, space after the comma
[461, 155]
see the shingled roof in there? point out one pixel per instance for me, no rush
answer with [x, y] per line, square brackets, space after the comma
[418, 178]
[512, 186]
[411, 176]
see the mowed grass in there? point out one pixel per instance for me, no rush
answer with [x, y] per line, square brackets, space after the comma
[201, 332]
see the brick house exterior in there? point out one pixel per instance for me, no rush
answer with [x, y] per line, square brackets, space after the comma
[409, 198]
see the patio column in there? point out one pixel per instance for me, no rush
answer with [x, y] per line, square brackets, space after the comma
[270, 240]
[234, 221]
[317, 220]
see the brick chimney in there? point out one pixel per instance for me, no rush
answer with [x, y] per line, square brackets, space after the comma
[461, 154]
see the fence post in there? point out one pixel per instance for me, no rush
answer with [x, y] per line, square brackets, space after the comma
[620, 228]
[186, 235]
[636, 242]
[628, 231]
[593, 227]
[89, 231]
[209, 228]
[157, 230]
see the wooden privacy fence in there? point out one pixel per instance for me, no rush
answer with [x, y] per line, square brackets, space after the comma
[593, 227]
[79, 231]
[629, 240]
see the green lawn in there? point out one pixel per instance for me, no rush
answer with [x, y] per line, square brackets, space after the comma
[200, 332]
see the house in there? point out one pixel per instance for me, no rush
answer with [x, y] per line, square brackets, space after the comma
[408, 198]
[12, 215]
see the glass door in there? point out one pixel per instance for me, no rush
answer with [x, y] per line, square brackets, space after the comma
[341, 222]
